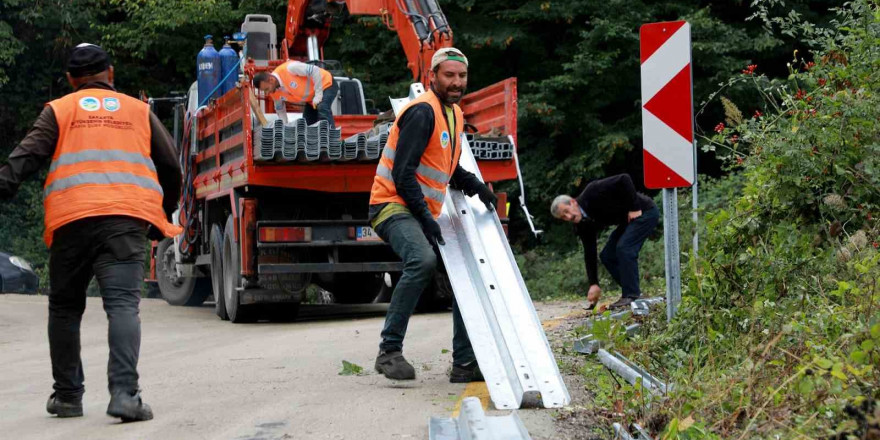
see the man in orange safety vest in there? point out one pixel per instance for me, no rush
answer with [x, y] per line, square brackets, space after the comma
[114, 180]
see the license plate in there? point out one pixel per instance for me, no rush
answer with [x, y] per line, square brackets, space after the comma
[366, 233]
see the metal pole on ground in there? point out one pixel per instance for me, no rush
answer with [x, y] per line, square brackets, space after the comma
[670, 233]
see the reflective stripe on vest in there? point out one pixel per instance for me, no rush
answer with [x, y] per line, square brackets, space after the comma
[102, 179]
[436, 164]
[423, 170]
[429, 192]
[102, 164]
[102, 156]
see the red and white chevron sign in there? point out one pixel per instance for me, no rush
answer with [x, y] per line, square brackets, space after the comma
[667, 104]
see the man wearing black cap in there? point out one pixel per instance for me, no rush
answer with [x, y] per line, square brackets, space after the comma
[114, 177]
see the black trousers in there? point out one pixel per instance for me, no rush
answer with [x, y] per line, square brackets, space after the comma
[111, 249]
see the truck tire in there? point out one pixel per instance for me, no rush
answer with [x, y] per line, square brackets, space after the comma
[217, 272]
[178, 291]
[236, 312]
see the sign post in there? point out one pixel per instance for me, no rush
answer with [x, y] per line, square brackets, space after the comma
[668, 131]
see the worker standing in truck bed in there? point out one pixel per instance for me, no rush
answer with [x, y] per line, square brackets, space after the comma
[114, 174]
[418, 162]
[300, 83]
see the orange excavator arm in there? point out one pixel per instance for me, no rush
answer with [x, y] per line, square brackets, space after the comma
[421, 28]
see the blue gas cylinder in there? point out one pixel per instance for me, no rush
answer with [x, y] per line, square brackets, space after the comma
[208, 67]
[228, 63]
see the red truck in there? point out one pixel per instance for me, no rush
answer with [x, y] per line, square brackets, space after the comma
[259, 230]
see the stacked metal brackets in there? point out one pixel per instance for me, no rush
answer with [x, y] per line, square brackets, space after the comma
[473, 424]
[317, 142]
[505, 331]
[354, 144]
[264, 140]
[492, 150]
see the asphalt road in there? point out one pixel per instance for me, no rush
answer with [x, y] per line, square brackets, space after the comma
[207, 379]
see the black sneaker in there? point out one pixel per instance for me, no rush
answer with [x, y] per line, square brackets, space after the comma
[63, 408]
[469, 372]
[623, 302]
[394, 366]
[129, 407]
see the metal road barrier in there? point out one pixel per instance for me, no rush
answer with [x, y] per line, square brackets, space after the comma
[589, 344]
[620, 433]
[640, 307]
[473, 424]
[631, 372]
[505, 331]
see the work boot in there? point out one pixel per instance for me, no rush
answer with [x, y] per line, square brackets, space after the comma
[62, 408]
[394, 366]
[469, 372]
[129, 407]
[623, 302]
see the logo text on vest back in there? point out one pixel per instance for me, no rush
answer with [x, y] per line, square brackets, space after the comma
[89, 104]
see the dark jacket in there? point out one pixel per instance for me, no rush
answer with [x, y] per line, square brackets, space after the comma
[607, 202]
[416, 126]
[38, 147]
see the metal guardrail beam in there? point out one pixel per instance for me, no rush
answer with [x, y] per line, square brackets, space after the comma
[631, 372]
[643, 433]
[473, 424]
[505, 331]
[588, 344]
[620, 433]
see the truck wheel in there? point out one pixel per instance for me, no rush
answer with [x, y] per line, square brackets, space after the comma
[217, 272]
[178, 291]
[232, 277]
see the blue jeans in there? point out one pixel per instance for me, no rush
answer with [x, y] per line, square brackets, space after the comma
[324, 112]
[621, 254]
[404, 233]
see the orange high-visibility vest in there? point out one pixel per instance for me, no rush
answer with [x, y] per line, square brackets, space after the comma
[437, 163]
[298, 89]
[102, 163]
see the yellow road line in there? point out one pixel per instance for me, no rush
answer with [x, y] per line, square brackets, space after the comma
[480, 390]
[473, 389]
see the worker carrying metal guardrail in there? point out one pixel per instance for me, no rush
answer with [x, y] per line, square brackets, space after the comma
[418, 162]
[612, 201]
[300, 83]
[114, 174]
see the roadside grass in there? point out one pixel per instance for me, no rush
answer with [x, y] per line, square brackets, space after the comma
[778, 332]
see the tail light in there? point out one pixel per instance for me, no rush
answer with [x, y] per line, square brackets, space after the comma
[285, 234]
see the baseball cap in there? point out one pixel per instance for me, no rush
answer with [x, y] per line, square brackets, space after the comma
[447, 54]
[87, 59]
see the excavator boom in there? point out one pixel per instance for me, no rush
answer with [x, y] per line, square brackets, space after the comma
[421, 27]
